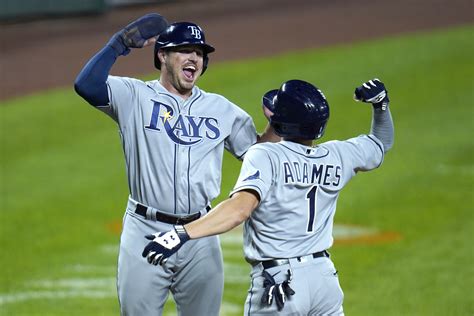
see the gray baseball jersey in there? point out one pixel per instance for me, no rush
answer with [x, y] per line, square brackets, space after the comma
[174, 148]
[299, 186]
[173, 152]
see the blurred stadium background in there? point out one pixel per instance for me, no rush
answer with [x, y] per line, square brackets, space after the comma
[45, 43]
[404, 233]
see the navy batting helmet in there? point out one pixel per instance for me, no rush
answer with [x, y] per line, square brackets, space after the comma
[300, 110]
[179, 34]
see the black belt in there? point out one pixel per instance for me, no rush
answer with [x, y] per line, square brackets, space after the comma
[278, 262]
[167, 218]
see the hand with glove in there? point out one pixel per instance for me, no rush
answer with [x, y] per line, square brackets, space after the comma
[140, 33]
[163, 245]
[373, 91]
[278, 292]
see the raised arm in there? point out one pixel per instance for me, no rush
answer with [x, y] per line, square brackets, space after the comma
[90, 84]
[382, 127]
[374, 92]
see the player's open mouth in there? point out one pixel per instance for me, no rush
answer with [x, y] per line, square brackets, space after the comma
[189, 72]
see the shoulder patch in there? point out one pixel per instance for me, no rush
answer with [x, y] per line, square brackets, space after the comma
[256, 175]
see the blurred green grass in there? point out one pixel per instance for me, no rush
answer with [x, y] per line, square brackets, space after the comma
[63, 185]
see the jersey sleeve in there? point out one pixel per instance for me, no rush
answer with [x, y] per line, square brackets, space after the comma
[121, 92]
[362, 153]
[256, 173]
[243, 133]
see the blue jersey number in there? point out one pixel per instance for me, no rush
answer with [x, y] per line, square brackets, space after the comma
[311, 197]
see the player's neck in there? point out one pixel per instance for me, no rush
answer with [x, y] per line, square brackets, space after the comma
[306, 142]
[171, 88]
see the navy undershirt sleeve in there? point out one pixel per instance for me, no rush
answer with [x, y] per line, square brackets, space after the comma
[91, 83]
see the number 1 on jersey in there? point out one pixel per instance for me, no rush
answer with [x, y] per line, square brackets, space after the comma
[311, 197]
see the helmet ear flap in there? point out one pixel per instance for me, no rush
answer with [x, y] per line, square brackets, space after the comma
[156, 58]
[204, 64]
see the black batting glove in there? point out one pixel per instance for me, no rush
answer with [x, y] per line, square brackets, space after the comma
[373, 91]
[137, 33]
[279, 292]
[163, 245]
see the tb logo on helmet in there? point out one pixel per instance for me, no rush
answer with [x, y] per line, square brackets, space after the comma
[195, 31]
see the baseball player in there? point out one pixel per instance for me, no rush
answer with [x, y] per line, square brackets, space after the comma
[286, 194]
[173, 136]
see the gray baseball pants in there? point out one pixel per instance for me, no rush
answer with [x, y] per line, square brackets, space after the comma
[194, 275]
[316, 286]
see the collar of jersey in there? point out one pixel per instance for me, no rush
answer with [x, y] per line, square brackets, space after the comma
[316, 151]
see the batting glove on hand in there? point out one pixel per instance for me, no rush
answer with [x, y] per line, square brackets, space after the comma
[136, 34]
[280, 292]
[163, 245]
[373, 91]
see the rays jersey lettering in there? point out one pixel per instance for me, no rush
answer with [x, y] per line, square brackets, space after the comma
[182, 129]
[311, 173]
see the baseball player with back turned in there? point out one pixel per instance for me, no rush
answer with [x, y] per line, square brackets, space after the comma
[286, 194]
[173, 136]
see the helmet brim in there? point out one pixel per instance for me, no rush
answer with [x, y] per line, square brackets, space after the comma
[268, 99]
[206, 47]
